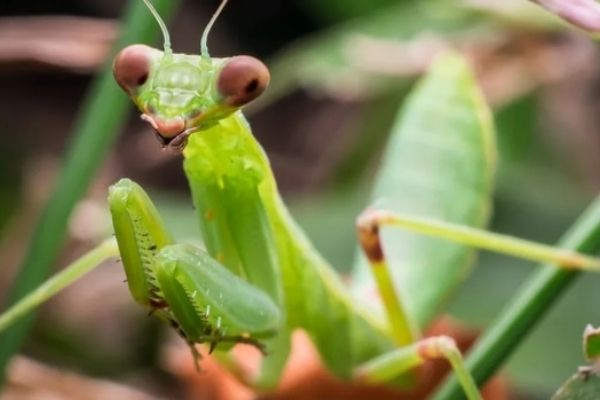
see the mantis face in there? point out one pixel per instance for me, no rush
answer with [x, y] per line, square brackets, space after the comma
[179, 94]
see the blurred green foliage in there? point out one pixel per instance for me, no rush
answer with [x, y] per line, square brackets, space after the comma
[101, 114]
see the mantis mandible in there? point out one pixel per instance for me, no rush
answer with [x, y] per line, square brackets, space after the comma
[258, 277]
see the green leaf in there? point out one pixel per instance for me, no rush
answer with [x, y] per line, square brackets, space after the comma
[339, 10]
[375, 52]
[439, 163]
[345, 60]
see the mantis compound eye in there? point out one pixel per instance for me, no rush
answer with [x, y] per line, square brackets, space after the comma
[242, 79]
[132, 67]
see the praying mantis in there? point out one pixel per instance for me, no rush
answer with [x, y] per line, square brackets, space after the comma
[259, 278]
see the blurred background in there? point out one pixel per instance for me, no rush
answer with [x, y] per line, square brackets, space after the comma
[340, 71]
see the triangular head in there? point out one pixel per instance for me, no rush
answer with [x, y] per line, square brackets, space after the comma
[179, 94]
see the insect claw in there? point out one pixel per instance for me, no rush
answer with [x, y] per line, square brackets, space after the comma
[261, 347]
[213, 345]
[250, 341]
[585, 372]
[196, 356]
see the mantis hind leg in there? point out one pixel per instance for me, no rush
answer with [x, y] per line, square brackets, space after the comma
[411, 352]
[389, 366]
[371, 220]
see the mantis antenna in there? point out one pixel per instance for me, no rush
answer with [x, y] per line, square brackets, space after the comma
[163, 27]
[203, 45]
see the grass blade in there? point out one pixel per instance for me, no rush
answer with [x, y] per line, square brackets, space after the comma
[537, 296]
[104, 110]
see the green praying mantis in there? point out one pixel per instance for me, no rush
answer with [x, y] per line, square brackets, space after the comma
[258, 277]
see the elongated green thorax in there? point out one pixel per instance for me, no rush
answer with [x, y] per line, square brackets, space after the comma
[246, 226]
[226, 172]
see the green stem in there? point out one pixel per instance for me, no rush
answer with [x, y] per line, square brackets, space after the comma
[104, 110]
[536, 297]
[58, 282]
[505, 244]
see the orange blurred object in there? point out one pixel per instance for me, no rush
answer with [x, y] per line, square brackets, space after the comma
[306, 378]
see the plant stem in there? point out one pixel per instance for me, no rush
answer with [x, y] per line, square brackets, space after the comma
[535, 298]
[58, 282]
[104, 110]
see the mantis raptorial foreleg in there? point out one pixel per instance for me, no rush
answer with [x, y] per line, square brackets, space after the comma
[179, 283]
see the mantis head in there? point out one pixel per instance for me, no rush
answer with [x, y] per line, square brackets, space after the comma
[179, 94]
